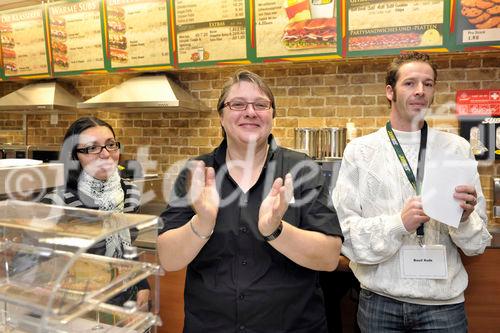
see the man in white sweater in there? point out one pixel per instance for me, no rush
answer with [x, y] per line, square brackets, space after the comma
[412, 280]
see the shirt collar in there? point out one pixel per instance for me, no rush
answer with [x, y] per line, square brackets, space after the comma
[220, 152]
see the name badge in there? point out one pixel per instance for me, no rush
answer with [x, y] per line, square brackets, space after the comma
[423, 262]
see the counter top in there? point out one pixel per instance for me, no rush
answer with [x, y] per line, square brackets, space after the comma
[147, 237]
[24, 179]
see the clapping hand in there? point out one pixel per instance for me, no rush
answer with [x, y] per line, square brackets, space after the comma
[203, 194]
[275, 205]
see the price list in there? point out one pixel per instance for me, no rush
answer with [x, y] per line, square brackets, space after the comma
[76, 36]
[212, 30]
[134, 40]
[23, 42]
[372, 25]
[478, 22]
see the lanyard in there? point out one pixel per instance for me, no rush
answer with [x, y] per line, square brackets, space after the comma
[416, 183]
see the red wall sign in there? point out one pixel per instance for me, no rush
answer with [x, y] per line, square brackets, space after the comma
[478, 102]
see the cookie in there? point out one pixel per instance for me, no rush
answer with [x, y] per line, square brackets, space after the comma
[484, 4]
[471, 12]
[480, 19]
[468, 3]
[494, 10]
[490, 23]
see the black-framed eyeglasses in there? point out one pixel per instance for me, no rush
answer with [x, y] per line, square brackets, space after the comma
[110, 146]
[242, 105]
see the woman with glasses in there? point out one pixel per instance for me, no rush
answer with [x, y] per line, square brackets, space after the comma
[90, 155]
[253, 223]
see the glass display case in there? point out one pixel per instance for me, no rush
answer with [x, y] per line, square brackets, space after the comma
[48, 281]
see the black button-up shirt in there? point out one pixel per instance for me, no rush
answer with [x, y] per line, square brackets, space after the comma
[240, 283]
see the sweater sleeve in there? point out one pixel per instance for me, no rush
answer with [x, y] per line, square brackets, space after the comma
[369, 239]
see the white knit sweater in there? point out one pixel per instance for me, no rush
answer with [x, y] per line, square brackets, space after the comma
[369, 196]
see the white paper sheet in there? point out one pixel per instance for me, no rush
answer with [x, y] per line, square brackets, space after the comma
[442, 175]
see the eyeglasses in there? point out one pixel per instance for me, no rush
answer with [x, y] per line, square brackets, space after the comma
[110, 146]
[242, 105]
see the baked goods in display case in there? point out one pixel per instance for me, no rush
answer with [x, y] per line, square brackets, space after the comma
[48, 281]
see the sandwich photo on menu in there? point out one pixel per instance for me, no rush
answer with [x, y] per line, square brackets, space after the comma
[58, 42]
[8, 52]
[311, 25]
[116, 34]
[58, 29]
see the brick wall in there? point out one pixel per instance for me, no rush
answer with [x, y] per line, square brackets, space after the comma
[315, 94]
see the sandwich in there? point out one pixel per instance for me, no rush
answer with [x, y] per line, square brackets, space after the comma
[8, 53]
[371, 42]
[118, 55]
[116, 26]
[57, 21]
[59, 47]
[116, 13]
[7, 41]
[5, 27]
[58, 28]
[60, 60]
[118, 41]
[10, 66]
[58, 33]
[315, 33]
[116, 17]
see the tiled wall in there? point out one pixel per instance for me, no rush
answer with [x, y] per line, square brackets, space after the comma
[315, 94]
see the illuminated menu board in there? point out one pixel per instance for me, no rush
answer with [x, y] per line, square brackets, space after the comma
[402, 24]
[477, 22]
[76, 37]
[210, 30]
[22, 35]
[138, 33]
[295, 27]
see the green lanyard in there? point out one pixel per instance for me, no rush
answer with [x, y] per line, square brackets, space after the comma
[416, 183]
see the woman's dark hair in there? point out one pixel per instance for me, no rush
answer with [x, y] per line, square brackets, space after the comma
[72, 166]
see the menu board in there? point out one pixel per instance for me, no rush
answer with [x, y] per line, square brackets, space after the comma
[402, 24]
[137, 32]
[23, 42]
[477, 22]
[76, 36]
[295, 27]
[210, 30]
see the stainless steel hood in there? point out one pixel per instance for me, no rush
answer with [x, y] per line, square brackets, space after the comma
[48, 96]
[157, 92]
